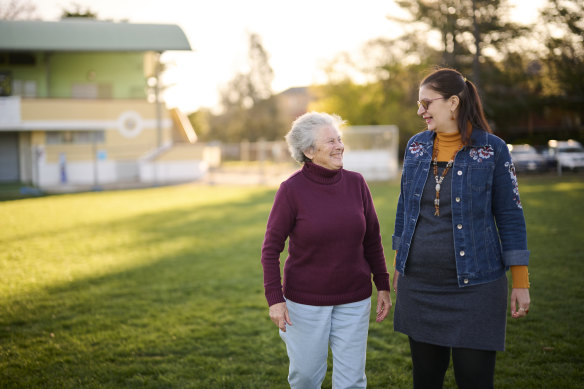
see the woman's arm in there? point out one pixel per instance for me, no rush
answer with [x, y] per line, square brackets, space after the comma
[508, 210]
[372, 244]
[279, 226]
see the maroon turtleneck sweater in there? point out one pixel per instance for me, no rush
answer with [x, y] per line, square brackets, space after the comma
[335, 243]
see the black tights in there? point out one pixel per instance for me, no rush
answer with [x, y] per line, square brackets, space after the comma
[473, 369]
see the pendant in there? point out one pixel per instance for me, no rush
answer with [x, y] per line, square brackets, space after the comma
[437, 187]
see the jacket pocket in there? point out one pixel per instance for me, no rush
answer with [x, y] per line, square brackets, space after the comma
[481, 177]
[480, 188]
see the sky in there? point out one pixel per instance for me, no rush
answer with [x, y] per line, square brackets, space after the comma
[300, 36]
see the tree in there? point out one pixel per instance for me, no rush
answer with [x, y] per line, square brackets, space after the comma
[252, 84]
[17, 10]
[564, 20]
[78, 12]
[250, 109]
[531, 83]
[545, 87]
[389, 71]
[260, 72]
[469, 30]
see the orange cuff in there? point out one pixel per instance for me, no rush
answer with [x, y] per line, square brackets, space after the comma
[519, 276]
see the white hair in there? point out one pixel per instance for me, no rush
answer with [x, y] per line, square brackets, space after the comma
[302, 135]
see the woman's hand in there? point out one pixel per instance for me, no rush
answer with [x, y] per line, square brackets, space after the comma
[383, 305]
[519, 302]
[395, 278]
[279, 315]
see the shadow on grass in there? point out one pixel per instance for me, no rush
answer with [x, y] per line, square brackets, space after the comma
[191, 314]
[181, 304]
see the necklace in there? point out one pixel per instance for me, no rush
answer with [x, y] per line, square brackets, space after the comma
[440, 178]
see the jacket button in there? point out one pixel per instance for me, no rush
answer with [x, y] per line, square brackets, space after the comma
[459, 173]
[466, 280]
[459, 226]
[458, 199]
[462, 253]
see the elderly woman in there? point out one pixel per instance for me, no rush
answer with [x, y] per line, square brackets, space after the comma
[334, 247]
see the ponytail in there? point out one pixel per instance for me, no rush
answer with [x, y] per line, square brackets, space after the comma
[471, 114]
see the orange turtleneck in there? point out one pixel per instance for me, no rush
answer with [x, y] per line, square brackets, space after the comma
[449, 144]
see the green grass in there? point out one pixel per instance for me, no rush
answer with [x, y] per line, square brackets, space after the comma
[162, 288]
[17, 190]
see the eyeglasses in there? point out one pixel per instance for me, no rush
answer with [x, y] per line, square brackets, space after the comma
[426, 103]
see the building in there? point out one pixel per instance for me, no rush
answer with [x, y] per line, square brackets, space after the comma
[79, 106]
[294, 102]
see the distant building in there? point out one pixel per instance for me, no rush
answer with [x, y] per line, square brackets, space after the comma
[79, 106]
[294, 102]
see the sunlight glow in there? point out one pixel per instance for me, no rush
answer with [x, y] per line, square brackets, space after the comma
[299, 36]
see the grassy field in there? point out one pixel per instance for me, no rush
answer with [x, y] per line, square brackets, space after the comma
[162, 288]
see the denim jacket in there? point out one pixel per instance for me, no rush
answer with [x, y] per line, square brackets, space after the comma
[487, 217]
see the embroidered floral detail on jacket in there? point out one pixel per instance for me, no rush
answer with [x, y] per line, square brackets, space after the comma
[417, 149]
[513, 175]
[480, 153]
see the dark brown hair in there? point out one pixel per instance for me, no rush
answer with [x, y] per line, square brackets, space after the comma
[450, 82]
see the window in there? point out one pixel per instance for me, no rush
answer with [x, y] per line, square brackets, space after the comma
[91, 91]
[55, 138]
[5, 83]
[21, 59]
[30, 89]
[75, 137]
[24, 88]
[84, 91]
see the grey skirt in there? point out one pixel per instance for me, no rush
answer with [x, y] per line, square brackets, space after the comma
[471, 317]
[430, 306]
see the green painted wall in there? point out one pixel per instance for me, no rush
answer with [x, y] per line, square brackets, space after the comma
[118, 75]
[123, 72]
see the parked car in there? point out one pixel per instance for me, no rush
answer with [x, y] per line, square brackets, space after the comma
[568, 154]
[550, 157]
[527, 159]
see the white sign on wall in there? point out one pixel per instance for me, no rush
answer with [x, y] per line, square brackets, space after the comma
[9, 111]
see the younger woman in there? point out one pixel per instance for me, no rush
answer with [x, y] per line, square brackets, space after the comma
[459, 226]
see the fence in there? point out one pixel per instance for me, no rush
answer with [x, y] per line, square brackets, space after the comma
[369, 150]
[245, 151]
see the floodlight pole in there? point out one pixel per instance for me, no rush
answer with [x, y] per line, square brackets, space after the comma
[158, 117]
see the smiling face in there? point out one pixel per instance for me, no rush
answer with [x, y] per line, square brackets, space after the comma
[328, 148]
[440, 112]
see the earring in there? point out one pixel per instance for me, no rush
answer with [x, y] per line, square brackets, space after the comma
[452, 115]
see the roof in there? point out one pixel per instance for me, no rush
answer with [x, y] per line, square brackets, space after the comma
[295, 90]
[90, 35]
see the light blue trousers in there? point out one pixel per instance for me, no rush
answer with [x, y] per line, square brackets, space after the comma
[343, 327]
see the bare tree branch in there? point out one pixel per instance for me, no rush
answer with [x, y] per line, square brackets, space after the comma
[17, 10]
